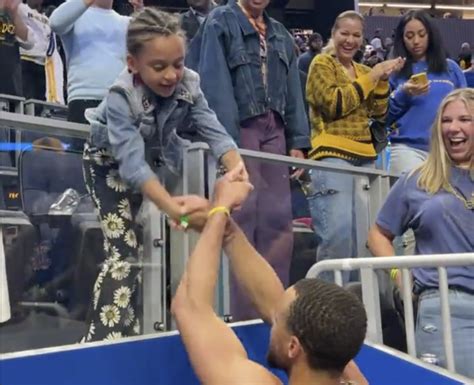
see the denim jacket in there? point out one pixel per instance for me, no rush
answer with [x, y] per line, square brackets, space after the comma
[140, 129]
[226, 54]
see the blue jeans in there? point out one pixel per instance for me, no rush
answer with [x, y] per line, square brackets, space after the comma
[404, 158]
[429, 329]
[335, 201]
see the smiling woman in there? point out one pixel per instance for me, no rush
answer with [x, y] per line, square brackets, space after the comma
[344, 96]
[437, 198]
[457, 131]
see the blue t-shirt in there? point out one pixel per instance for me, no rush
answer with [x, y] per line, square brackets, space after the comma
[441, 223]
[94, 40]
[411, 117]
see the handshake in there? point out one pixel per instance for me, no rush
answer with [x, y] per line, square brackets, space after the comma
[230, 191]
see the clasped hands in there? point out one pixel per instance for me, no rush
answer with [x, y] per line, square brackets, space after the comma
[230, 191]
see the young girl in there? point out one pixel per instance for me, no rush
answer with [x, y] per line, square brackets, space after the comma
[139, 123]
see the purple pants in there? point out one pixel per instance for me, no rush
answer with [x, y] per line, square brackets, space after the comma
[266, 216]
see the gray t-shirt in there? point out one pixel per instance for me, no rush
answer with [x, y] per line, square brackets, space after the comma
[441, 223]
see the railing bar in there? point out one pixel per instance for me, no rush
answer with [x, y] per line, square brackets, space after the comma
[446, 317]
[408, 310]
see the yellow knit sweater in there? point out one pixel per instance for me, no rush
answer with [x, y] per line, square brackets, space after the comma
[340, 109]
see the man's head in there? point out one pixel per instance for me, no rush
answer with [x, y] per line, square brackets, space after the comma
[315, 42]
[255, 7]
[318, 323]
[104, 4]
[200, 5]
[35, 4]
[465, 47]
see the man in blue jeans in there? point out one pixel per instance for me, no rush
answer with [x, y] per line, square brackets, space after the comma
[249, 75]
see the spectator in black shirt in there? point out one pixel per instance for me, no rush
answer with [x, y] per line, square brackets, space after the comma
[13, 33]
[315, 44]
[33, 60]
[192, 19]
[465, 56]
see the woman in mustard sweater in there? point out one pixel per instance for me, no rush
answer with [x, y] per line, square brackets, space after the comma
[343, 96]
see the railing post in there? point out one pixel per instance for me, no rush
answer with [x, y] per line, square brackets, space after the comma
[182, 244]
[361, 204]
[370, 296]
[222, 303]
[338, 278]
[379, 188]
[155, 266]
[5, 311]
[408, 310]
[446, 316]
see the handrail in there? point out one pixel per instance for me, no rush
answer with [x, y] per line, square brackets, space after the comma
[15, 98]
[43, 125]
[301, 163]
[42, 103]
[370, 291]
[378, 263]
[6, 171]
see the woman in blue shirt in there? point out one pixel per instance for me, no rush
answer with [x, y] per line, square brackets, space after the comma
[413, 106]
[138, 128]
[436, 201]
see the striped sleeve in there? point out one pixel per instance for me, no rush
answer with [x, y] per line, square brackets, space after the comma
[333, 99]
[378, 104]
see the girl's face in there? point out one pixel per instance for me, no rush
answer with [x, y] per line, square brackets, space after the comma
[415, 37]
[160, 64]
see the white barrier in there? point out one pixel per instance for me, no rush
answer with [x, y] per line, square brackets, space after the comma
[370, 290]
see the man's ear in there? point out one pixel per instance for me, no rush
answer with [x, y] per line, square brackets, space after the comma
[294, 348]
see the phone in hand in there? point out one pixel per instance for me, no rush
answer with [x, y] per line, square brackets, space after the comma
[420, 79]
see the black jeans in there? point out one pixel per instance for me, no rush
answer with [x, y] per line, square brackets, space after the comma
[34, 80]
[76, 109]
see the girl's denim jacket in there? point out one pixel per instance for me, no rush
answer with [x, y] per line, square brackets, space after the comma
[141, 129]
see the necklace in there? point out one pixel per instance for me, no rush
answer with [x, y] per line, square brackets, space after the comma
[468, 203]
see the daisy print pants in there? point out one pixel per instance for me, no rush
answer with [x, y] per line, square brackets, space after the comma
[114, 313]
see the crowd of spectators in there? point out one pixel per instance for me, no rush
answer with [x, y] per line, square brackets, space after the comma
[42, 69]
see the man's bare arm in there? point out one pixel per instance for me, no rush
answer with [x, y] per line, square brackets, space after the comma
[253, 272]
[215, 352]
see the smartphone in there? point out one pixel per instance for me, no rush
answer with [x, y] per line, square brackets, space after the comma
[419, 79]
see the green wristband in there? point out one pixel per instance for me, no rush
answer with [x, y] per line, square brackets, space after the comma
[184, 221]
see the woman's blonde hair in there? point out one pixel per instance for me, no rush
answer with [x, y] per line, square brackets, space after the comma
[329, 48]
[436, 170]
[149, 23]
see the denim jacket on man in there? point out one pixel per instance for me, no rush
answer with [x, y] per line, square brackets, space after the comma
[139, 128]
[226, 54]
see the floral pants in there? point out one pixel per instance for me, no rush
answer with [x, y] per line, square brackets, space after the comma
[114, 313]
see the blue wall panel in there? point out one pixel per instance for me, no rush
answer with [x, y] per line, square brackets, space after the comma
[163, 361]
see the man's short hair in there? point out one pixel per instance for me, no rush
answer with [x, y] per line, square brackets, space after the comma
[315, 36]
[329, 322]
